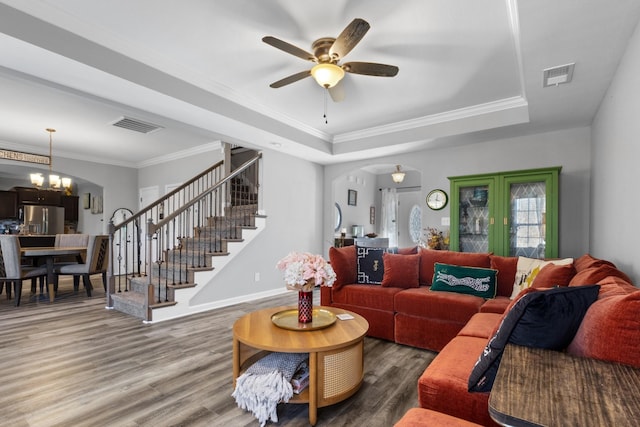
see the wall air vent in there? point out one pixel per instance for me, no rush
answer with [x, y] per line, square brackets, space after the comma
[136, 125]
[557, 75]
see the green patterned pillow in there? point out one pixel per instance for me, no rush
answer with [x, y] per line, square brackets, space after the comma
[465, 280]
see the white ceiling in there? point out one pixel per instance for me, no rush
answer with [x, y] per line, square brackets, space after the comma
[469, 70]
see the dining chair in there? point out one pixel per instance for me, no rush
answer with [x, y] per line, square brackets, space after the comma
[70, 241]
[95, 263]
[11, 269]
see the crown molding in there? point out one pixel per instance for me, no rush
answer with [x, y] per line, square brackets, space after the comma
[434, 119]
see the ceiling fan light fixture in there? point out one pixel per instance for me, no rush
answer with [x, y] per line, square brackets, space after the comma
[398, 175]
[327, 75]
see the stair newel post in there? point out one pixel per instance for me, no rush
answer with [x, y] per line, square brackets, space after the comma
[110, 278]
[150, 294]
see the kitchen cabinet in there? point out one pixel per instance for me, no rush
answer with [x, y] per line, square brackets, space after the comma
[70, 205]
[8, 204]
[35, 196]
[509, 213]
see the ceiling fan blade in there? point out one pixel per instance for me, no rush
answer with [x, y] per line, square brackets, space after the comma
[337, 92]
[371, 69]
[289, 48]
[291, 79]
[349, 38]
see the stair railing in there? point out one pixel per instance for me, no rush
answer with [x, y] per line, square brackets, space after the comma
[167, 241]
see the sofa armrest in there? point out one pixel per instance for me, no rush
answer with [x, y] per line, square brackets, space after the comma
[325, 295]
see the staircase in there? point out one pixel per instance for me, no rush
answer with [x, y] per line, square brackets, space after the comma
[153, 275]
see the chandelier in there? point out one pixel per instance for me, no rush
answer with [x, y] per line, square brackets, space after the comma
[398, 175]
[55, 182]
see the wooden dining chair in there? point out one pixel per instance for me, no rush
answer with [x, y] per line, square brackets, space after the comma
[11, 269]
[96, 263]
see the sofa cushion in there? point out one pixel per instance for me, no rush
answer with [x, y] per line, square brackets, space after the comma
[554, 275]
[613, 285]
[528, 269]
[588, 261]
[444, 306]
[465, 280]
[370, 265]
[544, 319]
[429, 257]
[443, 385]
[409, 250]
[370, 296]
[498, 304]
[507, 266]
[420, 417]
[401, 271]
[343, 262]
[610, 330]
[595, 274]
[481, 325]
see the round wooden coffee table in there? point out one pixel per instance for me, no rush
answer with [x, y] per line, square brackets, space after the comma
[336, 353]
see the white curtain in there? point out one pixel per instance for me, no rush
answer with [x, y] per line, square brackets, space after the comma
[389, 216]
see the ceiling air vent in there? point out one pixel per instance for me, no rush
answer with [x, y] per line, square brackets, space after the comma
[557, 75]
[136, 125]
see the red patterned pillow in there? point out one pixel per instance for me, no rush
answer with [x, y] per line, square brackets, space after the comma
[401, 271]
[554, 275]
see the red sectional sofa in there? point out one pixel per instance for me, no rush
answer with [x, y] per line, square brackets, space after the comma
[459, 326]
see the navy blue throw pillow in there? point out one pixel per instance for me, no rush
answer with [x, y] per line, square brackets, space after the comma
[543, 319]
[370, 266]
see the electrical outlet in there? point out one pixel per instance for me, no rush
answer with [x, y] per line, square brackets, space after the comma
[445, 221]
[256, 277]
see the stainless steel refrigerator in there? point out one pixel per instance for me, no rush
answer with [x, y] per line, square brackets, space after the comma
[43, 219]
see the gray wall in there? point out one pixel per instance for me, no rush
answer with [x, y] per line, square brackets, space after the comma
[568, 148]
[364, 183]
[292, 190]
[615, 202]
[117, 185]
[179, 170]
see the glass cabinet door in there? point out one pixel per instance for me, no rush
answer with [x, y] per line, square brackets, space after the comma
[527, 224]
[530, 224]
[473, 202]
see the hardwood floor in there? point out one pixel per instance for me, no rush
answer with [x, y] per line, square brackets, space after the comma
[74, 363]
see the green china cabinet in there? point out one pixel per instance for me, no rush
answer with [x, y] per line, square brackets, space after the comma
[508, 213]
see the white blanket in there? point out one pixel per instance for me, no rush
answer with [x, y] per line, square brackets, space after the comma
[266, 383]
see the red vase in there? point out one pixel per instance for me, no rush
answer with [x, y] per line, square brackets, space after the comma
[305, 306]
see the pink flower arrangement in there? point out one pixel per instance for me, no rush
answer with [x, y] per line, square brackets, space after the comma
[302, 271]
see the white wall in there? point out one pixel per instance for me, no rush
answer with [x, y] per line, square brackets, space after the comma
[615, 202]
[567, 148]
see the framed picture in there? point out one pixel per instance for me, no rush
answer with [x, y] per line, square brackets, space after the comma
[86, 200]
[352, 199]
[372, 215]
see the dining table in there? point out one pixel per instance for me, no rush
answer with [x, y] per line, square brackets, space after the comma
[49, 253]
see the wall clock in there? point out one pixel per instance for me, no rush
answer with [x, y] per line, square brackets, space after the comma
[437, 199]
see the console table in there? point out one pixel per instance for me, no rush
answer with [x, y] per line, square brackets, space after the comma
[536, 387]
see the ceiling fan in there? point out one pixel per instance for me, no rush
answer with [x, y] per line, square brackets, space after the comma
[327, 53]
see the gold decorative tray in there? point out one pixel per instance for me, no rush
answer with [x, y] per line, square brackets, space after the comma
[288, 319]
